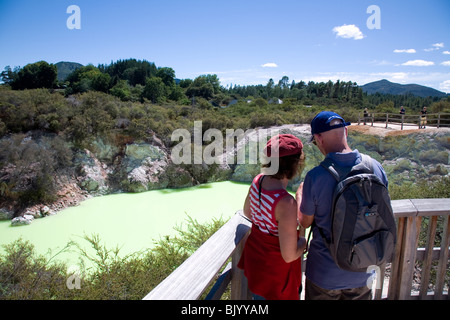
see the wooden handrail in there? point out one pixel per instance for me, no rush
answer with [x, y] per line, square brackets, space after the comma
[192, 277]
[433, 119]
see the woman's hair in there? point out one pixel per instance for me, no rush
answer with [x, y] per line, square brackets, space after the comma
[289, 166]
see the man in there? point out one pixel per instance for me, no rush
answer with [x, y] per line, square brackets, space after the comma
[324, 279]
[423, 118]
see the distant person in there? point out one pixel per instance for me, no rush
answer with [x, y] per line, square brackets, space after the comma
[324, 279]
[366, 115]
[423, 118]
[402, 114]
[271, 259]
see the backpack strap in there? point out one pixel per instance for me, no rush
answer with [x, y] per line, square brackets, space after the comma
[366, 162]
[259, 189]
[328, 164]
[339, 173]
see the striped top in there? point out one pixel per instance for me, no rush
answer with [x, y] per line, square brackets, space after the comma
[263, 216]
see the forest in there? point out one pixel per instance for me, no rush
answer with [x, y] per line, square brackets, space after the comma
[140, 80]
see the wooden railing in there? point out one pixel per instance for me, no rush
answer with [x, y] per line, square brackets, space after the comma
[413, 265]
[437, 120]
[412, 215]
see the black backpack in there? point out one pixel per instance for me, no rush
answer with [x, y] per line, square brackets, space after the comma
[363, 230]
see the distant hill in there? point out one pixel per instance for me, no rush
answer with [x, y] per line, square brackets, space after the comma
[387, 87]
[65, 68]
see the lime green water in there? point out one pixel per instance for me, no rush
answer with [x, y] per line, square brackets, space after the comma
[130, 221]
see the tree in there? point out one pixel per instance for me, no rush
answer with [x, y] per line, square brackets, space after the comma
[34, 75]
[88, 78]
[284, 82]
[185, 83]
[132, 70]
[121, 90]
[8, 76]
[214, 81]
[154, 90]
[204, 86]
[167, 75]
[269, 87]
[101, 82]
[176, 93]
[386, 107]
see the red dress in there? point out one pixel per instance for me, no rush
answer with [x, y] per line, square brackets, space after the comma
[267, 273]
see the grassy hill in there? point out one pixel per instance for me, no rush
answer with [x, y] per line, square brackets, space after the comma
[65, 68]
[387, 87]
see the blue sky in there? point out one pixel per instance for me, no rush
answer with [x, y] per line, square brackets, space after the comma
[242, 41]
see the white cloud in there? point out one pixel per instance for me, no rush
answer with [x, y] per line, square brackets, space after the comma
[435, 46]
[445, 86]
[418, 63]
[446, 52]
[349, 31]
[446, 63]
[405, 51]
[381, 63]
[269, 65]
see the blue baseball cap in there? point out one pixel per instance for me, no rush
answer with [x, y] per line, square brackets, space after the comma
[324, 121]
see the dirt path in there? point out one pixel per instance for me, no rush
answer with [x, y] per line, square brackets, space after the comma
[380, 129]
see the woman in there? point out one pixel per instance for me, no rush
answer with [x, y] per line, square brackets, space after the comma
[272, 254]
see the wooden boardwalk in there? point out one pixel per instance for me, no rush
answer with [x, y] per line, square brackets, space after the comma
[414, 216]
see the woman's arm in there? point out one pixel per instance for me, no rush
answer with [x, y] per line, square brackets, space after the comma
[247, 206]
[290, 244]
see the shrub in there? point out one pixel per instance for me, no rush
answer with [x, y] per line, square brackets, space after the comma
[26, 275]
[422, 189]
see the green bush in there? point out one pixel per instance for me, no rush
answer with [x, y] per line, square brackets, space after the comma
[422, 189]
[26, 275]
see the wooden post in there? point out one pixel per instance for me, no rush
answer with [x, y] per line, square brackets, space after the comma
[239, 286]
[409, 256]
[426, 267]
[394, 281]
[439, 120]
[387, 119]
[443, 260]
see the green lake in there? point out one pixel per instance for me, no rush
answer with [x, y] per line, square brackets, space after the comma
[132, 222]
